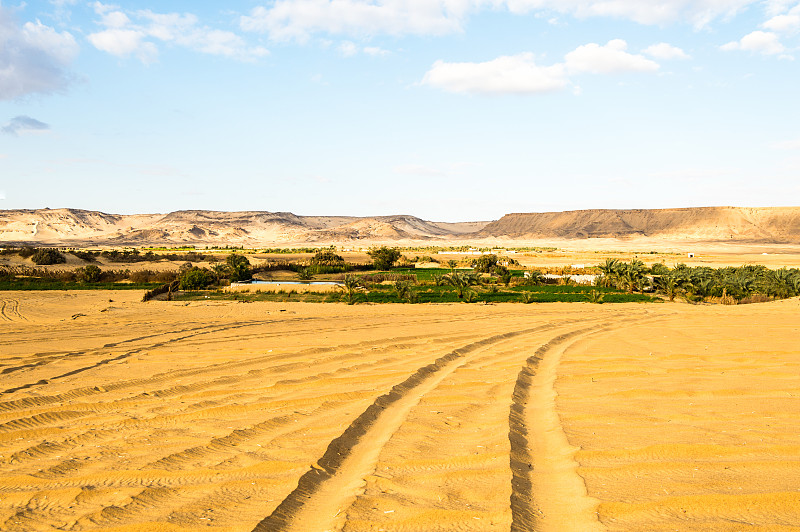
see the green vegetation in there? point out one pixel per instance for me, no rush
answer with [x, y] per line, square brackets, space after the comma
[327, 257]
[731, 285]
[383, 258]
[238, 268]
[51, 284]
[196, 279]
[47, 257]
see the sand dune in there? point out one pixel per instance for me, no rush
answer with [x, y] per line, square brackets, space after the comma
[121, 415]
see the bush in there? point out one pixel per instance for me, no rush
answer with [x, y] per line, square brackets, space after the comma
[384, 257]
[196, 279]
[26, 252]
[486, 263]
[326, 257]
[86, 256]
[48, 256]
[238, 268]
[89, 274]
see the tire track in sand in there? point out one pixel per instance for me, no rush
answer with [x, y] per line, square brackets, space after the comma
[325, 490]
[547, 493]
[9, 310]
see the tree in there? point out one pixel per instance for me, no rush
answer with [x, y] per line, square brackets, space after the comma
[89, 274]
[47, 256]
[351, 287]
[461, 282]
[504, 274]
[196, 279]
[486, 263]
[383, 258]
[238, 267]
[326, 257]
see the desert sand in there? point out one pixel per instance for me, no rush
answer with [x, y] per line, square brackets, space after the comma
[129, 416]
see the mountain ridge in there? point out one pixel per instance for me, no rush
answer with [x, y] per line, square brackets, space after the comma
[76, 227]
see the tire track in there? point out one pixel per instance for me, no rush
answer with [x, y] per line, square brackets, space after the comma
[9, 310]
[541, 459]
[333, 481]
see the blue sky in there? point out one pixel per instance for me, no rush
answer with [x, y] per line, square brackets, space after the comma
[445, 109]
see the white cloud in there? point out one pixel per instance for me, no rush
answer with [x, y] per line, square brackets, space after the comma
[783, 23]
[299, 19]
[764, 42]
[608, 59]
[34, 58]
[665, 51]
[123, 37]
[375, 51]
[518, 74]
[699, 13]
[2, 195]
[122, 42]
[348, 49]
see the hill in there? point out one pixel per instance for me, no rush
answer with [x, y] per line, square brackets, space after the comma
[75, 227]
[768, 224]
[195, 227]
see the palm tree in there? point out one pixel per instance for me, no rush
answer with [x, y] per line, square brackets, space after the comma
[351, 287]
[611, 271]
[460, 281]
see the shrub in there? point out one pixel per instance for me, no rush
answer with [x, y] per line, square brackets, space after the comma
[486, 263]
[48, 256]
[528, 297]
[595, 296]
[326, 257]
[238, 267]
[89, 274]
[86, 256]
[384, 257]
[196, 279]
[26, 252]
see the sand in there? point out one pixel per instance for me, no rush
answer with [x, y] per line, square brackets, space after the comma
[130, 416]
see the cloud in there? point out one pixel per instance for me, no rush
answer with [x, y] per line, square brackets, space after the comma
[608, 59]
[121, 42]
[375, 51]
[21, 124]
[297, 20]
[784, 21]
[665, 51]
[517, 74]
[2, 195]
[764, 42]
[34, 58]
[136, 33]
[348, 49]
[699, 13]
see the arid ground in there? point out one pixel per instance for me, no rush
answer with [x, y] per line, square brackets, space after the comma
[122, 415]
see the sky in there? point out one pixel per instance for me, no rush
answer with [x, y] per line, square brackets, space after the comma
[450, 110]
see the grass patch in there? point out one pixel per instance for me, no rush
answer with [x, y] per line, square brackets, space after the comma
[386, 294]
[45, 284]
